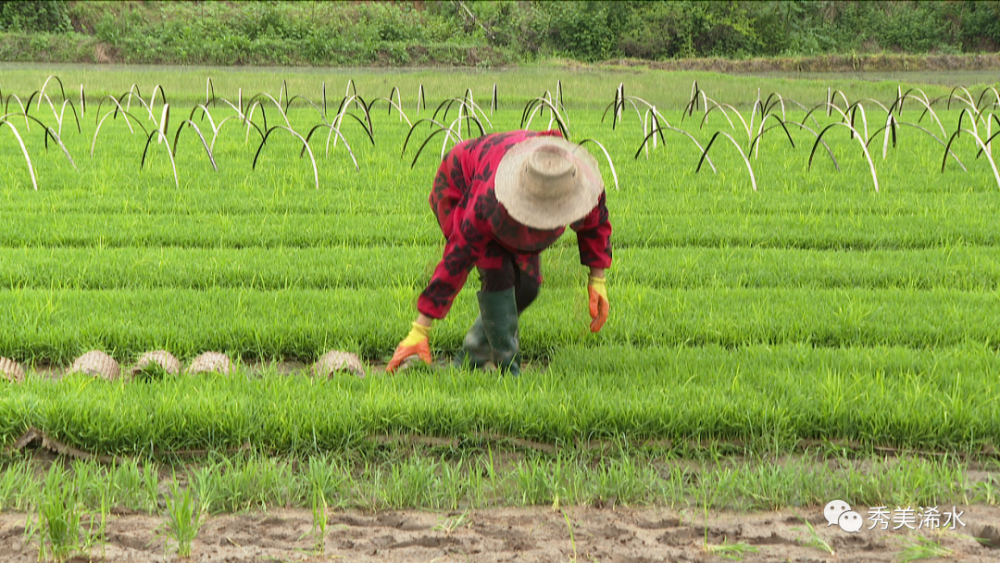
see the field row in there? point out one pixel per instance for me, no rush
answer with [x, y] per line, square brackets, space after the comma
[410, 199]
[966, 268]
[967, 226]
[58, 324]
[114, 155]
[404, 479]
[943, 398]
[590, 88]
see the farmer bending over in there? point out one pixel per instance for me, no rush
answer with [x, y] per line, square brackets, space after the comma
[501, 199]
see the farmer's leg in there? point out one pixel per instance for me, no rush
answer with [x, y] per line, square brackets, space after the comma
[498, 276]
[527, 279]
[497, 321]
[498, 308]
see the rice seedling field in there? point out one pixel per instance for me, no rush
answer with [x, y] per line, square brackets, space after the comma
[800, 267]
[801, 252]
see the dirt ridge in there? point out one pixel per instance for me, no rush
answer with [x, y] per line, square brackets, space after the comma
[824, 63]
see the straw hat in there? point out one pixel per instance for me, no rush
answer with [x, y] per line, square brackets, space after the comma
[548, 182]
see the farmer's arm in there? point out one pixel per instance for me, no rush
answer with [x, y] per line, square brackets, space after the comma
[435, 301]
[464, 247]
[593, 236]
[450, 187]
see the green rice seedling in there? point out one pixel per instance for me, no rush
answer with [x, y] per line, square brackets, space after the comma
[572, 536]
[126, 487]
[151, 484]
[319, 522]
[452, 523]
[768, 486]
[725, 549]
[623, 480]
[922, 547]
[456, 483]
[815, 541]
[488, 468]
[987, 491]
[328, 476]
[370, 483]
[183, 519]
[731, 551]
[19, 491]
[248, 481]
[89, 481]
[816, 384]
[97, 525]
[539, 482]
[58, 521]
[478, 490]
[305, 146]
[412, 483]
[203, 482]
[827, 312]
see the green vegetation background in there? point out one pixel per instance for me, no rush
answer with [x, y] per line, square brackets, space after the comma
[483, 33]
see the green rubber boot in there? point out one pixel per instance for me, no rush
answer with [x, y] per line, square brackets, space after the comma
[499, 314]
[476, 351]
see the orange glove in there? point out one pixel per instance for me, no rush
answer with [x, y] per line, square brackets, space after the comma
[415, 344]
[598, 291]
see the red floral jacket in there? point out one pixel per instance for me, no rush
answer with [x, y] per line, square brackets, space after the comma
[478, 228]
